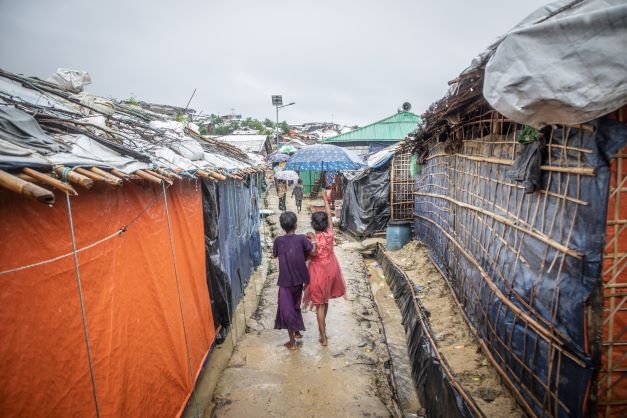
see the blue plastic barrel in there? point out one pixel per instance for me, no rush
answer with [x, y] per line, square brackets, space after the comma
[398, 234]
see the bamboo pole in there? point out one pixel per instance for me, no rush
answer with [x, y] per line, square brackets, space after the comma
[109, 178]
[50, 181]
[539, 236]
[89, 174]
[74, 177]
[584, 171]
[120, 174]
[169, 174]
[159, 176]
[204, 175]
[26, 177]
[25, 188]
[217, 176]
[149, 177]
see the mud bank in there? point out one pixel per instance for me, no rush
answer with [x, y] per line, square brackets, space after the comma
[447, 360]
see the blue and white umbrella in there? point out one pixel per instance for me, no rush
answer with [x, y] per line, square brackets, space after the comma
[278, 158]
[323, 157]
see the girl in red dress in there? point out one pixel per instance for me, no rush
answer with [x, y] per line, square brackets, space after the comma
[325, 276]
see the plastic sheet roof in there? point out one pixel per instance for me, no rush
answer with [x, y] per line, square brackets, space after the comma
[43, 125]
[247, 143]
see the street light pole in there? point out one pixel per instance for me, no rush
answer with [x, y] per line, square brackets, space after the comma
[277, 118]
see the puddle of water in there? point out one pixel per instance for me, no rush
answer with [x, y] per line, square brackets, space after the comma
[395, 333]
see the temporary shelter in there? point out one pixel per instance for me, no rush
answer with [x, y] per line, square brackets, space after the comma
[377, 135]
[379, 193]
[521, 200]
[104, 287]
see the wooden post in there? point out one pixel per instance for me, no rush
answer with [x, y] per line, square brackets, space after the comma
[17, 185]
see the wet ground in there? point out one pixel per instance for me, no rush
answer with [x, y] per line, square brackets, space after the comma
[351, 377]
[396, 340]
[453, 337]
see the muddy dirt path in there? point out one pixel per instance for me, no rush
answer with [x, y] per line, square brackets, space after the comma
[348, 378]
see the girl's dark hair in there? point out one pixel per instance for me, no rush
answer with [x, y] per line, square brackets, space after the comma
[300, 181]
[319, 221]
[288, 221]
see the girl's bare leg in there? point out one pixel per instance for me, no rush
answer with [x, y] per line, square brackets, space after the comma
[291, 344]
[320, 315]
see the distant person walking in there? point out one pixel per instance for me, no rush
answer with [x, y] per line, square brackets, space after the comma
[297, 194]
[282, 190]
[325, 276]
[292, 251]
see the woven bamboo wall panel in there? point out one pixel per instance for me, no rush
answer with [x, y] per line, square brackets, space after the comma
[523, 265]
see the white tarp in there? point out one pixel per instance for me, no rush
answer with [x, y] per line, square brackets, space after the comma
[564, 64]
[74, 80]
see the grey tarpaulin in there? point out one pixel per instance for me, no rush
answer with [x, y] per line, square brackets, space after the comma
[366, 202]
[578, 47]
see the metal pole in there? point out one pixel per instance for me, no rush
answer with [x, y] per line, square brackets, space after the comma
[277, 126]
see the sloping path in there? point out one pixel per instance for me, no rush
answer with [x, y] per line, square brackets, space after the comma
[345, 379]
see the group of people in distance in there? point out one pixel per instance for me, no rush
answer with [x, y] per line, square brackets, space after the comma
[309, 272]
[297, 194]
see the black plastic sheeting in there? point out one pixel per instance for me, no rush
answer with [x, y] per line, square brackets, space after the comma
[560, 297]
[439, 398]
[232, 241]
[217, 280]
[366, 202]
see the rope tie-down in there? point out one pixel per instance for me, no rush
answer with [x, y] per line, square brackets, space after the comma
[80, 296]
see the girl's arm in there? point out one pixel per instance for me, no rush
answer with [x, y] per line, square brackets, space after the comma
[327, 209]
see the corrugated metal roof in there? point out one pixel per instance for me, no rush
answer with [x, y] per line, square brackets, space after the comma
[247, 143]
[393, 128]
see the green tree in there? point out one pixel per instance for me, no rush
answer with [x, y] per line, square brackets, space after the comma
[267, 122]
[285, 128]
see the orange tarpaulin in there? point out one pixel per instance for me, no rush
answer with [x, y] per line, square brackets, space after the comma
[134, 319]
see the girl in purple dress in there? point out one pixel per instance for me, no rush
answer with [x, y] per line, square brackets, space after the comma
[292, 251]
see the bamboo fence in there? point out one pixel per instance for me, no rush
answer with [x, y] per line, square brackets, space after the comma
[612, 379]
[514, 259]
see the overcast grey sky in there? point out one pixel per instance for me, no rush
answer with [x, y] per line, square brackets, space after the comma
[357, 60]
